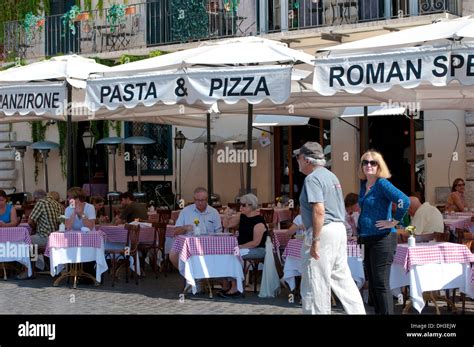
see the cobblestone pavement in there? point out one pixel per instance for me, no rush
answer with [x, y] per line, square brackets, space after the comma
[151, 296]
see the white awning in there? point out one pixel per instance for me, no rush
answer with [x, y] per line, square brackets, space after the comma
[275, 120]
[350, 112]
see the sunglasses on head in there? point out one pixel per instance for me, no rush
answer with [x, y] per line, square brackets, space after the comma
[371, 162]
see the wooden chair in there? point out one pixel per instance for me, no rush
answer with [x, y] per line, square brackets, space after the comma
[122, 253]
[267, 215]
[441, 237]
[402, 236]
[425, 237]
[460, 234]
[267, 205]
[161, 216]
[234, 206]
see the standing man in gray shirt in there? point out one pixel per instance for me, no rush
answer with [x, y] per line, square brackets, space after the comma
[324, 252]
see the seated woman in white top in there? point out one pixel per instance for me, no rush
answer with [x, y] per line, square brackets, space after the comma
[79, 213]
[296, 226]
[351, 203]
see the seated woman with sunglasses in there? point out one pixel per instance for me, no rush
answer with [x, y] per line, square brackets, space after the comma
[456, 201]
[377, 228]
[252, 236]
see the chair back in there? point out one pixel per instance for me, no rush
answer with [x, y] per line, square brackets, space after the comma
[160, 236]
[267, 204]
[402, 236]
[267, 215]
[234, 206]
[161, 216]
[459, 236]
[425, 237]
[468, 240]
[441, 237]
[133, 237]
[276, 254]
[294, 212]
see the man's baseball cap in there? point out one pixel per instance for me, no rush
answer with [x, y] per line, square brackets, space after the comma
[311, 150]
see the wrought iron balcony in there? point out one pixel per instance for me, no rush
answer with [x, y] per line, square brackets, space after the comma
[135, 26]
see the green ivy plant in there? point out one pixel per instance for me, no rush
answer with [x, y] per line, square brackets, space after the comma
[189, 20]
[68, 20]
[32, 23]
[116, 16]
[62, 131]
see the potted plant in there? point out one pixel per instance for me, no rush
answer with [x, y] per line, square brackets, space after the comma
[82, 17]
[31, 24]
[130, 10]
[115, 16]
[69, 18]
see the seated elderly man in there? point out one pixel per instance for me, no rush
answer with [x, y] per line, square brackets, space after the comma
[207, 216]
[426, 218]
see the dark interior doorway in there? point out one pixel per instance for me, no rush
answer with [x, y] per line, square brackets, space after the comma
[390, 135]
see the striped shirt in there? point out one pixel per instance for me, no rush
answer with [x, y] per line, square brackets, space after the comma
[46, 216]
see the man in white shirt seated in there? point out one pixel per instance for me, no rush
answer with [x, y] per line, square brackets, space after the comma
[351, 203]
[208, 216]
[426, 218]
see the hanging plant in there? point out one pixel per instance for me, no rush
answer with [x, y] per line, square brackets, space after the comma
[231, 5]
[116, 16]
[31, 24]
[62, 131]
[38, 132]
[68, 20]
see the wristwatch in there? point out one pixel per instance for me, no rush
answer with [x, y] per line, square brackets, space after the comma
[315, 238]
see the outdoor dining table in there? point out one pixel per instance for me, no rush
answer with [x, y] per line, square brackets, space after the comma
[459, 221]
[15, 245]
[75, 248]
[292, 267]
[209, 256]
[432, 266]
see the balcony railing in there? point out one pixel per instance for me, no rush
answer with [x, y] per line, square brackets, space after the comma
[143, 25]
[304, 14]
[155, 23]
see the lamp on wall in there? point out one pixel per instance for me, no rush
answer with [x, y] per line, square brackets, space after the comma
[179, 142]
[44, 147]
[88, 139]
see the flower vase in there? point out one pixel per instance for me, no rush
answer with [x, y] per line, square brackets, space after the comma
[197, 231]
[279, 205]
[411, 241]
[62, 227]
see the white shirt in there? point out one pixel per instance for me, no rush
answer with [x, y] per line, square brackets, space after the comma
[89, 211]
[427, 219]
[349, 228]
[210, 218]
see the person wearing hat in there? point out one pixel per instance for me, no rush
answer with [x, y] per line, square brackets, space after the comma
[324, 253]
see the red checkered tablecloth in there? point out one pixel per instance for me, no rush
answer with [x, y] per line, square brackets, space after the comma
[436, 252]
[453, 222]
[118, 233]
[187, 246]
[75, 239]
[27, 226]
[282, 236]
[15, 234]
[293, 249]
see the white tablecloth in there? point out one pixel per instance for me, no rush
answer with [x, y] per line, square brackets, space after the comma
[16, 251]
[211, 266]
[292, 269]
[61, 256]
[428, 277]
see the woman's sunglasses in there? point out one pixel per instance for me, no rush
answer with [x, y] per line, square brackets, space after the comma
[244, 205]
[371, 162]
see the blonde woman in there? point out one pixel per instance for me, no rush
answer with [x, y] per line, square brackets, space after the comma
[456, 200]
[377, 226]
